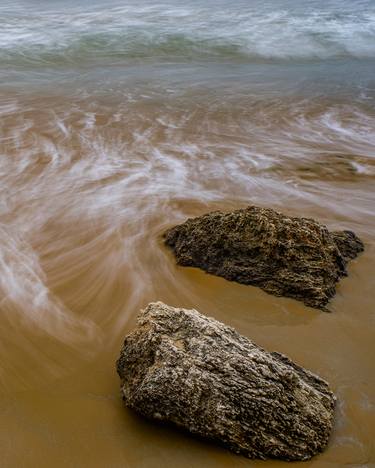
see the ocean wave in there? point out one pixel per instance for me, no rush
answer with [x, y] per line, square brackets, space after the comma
[170, 31]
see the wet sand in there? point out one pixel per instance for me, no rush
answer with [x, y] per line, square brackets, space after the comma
[88, 187]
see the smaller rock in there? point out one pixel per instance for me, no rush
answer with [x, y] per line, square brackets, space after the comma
[285, 256]
[181, 367]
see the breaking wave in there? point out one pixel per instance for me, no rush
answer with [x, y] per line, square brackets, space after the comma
[170, 31]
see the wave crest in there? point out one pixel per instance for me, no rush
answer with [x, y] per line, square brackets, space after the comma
[175, 32]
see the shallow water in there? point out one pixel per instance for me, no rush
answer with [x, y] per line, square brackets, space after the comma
[119, 120]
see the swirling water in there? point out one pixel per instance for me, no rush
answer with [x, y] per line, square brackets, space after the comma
[120, 119]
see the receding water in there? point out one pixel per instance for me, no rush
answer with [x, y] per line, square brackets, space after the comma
[120, 119]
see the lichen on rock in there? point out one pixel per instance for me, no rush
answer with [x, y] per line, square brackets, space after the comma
[285, 256]
[196, 373]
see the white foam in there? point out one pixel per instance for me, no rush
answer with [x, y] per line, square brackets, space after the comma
[253, 30]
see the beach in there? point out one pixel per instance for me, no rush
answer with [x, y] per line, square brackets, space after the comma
[119, 121]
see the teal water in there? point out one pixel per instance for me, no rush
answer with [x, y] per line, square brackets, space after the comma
[40, 39]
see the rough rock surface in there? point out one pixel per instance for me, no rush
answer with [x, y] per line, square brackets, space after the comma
[285, 256]
[192, 371]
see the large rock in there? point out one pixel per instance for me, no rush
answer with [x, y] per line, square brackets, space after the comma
[293, 257]
[181, 367]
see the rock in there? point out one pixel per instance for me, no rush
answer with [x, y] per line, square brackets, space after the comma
[181, 367]
[285, 256]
